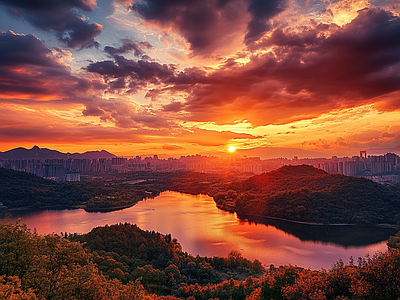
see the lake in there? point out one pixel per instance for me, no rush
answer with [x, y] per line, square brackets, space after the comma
[203, 229]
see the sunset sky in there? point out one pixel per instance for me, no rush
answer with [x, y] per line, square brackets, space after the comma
[312, 78]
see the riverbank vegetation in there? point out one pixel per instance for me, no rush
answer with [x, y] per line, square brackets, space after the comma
[124, 262]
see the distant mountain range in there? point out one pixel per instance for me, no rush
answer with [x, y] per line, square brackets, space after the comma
[42, 153]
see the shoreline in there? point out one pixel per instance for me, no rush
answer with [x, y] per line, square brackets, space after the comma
[108, 209]
[23, 208]
[247, 216]
[102, 209]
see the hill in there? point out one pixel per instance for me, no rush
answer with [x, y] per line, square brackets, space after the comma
[305, 194]
[288, 178]
[153, 257]
[20, 189]
[43, 153]
[24, 190]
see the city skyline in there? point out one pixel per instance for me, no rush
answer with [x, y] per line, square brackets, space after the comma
[277, 78]
[58, 166]
[229, 153]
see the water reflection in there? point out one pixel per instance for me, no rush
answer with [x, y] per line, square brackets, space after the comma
[344, 235]
[204, 230]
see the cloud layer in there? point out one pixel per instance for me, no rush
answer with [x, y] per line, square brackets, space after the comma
[289, 80]
[208, 24]
[308, 72]
[61, 17]
[29, 70]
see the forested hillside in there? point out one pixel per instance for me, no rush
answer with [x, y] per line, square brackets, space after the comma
[18, 189]
[24, 190]
[303, 193]
[124, 262]
[126, 252]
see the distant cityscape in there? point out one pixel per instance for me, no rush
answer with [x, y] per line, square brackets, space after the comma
[384, 169]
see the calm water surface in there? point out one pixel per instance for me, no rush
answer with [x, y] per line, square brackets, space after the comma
[203, 229]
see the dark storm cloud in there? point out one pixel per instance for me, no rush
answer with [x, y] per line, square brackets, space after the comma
[27, 67]
[18, 49]
[360, 59]
[131, 74]
[261, 11]
[208, 24]
[129, 45]
[21, 57]
[198, 21]
[60, 16]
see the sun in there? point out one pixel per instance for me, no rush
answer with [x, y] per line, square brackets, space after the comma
[232, 148]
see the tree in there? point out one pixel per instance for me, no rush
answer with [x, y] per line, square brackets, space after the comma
[10, 288]
[257, 267]
[61, 269]
[18, 247]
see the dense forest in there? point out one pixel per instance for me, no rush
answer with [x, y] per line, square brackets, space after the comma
[305, 194]
[124, 262]
[126, 252]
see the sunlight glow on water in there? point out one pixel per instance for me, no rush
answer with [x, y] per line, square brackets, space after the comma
[203, 229]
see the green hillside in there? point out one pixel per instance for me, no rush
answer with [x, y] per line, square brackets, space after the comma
[24, 190]
[305, 194]
[18, 189]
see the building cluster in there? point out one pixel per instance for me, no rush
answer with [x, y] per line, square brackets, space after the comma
[52, 168]
[356, 165]
[70, 169]
[373, 167]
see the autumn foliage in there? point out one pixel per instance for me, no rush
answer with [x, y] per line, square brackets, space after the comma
[53, 267]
